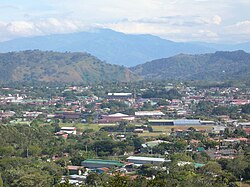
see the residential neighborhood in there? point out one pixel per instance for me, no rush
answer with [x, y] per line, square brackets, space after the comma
[102, 132]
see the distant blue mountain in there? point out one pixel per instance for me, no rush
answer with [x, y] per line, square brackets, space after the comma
[113, 47]
[226, 47]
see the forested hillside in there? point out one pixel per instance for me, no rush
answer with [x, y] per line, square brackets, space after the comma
[111, 46]
[50, 66]
[219, 66]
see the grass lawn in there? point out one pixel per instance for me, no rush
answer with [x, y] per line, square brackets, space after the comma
[167, 129]
[151, 134]
[20, 122]
[243, 184]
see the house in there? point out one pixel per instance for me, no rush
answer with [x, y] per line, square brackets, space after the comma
[75, 170]
[68, 130]
[120, 95]
[31, 114]
[98, 163]
[146, 160]
[218, 129]
[244, 125]
[196, 165]
[62, 134]
[102, 170]
[200, 149]
[138, 130]
[223, 153]
[74, 179]
[68, 115]
[118, 117]
[7, 114]
[247, 131]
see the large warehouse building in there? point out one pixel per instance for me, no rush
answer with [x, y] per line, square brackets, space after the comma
[179, 122]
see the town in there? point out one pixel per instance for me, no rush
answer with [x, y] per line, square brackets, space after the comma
[134, 133]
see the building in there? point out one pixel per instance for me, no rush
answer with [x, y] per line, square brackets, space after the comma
[98, 163]
[68, 130]
[138, 130]
[218, 129]
[179, 122]
[75, 170]
[120, 95]
[118, 117]
[68, 115]
[149, 113]
[196, 165]
[146, 160]
[31, 114]
[244, 125]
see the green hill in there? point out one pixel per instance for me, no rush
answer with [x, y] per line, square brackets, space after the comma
[66, 67]
[219, 66]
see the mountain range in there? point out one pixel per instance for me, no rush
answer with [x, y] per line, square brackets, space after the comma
[67, 67]
[218, 66]
[115, 47]
[48, 66]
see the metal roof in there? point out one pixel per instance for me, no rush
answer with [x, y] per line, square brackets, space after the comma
[99, 161]
[146, 158]
[187, 122]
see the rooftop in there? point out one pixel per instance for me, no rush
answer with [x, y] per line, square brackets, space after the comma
[99, 161]
[146, 158]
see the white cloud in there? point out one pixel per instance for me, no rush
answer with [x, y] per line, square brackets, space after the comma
[172, 19]
[142, 28]
[217, 20]
[41, 27]
[242, 27]
[20, 28]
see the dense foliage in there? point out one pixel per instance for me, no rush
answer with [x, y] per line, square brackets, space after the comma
[219, 66]
[67, 67]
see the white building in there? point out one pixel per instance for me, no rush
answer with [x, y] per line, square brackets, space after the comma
[149, 113]
[146, 160]
[68, 130]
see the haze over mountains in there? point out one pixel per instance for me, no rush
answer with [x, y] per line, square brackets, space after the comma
[115, 47]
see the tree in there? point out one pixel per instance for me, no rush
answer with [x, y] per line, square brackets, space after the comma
[1, 181]
[94, 179]
[34, 150]
[147, 170]
[204, 108]
[65, 184]
[181, 157]
[118, 180]
[246, 109]
[6, 151]
[237, 166]
[38, 179]
[211, 168]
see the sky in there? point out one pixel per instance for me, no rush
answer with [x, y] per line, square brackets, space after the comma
[217, 21]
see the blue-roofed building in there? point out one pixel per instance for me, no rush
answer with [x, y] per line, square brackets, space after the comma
[187, 122]
[179, 122]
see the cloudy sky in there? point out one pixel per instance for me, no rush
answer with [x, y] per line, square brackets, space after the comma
[221, 21]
